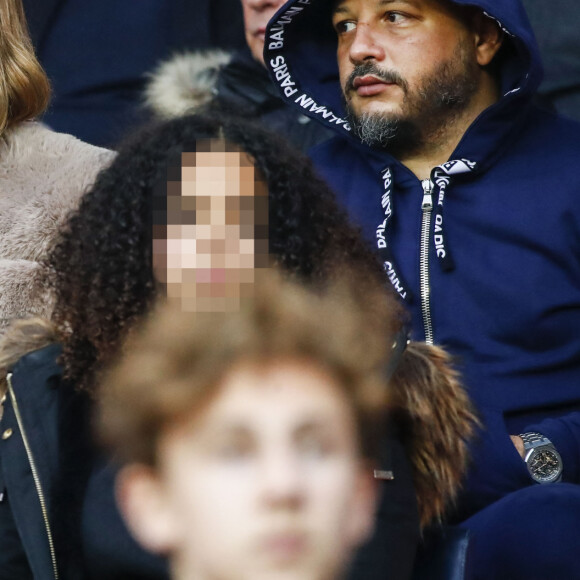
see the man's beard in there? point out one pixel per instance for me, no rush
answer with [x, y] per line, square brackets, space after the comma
[426, 112]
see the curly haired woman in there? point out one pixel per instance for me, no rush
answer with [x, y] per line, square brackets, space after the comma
[116, 255]
[42, 173]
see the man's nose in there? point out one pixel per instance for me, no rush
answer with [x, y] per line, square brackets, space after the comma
[263, 4]
[365, 45]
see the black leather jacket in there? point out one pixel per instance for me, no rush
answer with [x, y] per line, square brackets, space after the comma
[57, 509]
[32, 424]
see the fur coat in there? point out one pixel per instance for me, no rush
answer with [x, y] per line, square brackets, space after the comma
[42, 177]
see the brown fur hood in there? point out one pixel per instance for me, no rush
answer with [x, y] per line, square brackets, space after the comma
[184, 83]
[42, 177]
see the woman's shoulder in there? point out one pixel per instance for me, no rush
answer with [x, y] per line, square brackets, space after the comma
[43, 175]
[35, 146]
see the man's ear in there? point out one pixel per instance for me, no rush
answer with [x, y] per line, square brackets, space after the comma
[488, 37]
[363, 507]
[142, 501]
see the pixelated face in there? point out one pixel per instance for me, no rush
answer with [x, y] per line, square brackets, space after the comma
[216, 229]
[257, 14]
[267, 482]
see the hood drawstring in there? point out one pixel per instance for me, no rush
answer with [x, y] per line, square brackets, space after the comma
[441, 176]
[381, 234]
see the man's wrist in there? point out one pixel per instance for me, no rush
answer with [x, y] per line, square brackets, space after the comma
[519, 445]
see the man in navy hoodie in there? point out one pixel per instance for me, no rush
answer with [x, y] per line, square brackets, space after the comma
[470, 193]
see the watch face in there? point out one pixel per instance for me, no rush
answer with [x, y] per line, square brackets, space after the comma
[544, 465]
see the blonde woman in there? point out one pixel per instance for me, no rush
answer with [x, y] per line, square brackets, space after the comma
[42, 173]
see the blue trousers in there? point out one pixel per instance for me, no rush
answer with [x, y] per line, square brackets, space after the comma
[531, 534]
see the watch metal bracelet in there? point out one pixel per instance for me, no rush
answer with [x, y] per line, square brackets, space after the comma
[532, 437]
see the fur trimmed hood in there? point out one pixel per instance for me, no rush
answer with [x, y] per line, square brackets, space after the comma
[184, 83]
[43, 175]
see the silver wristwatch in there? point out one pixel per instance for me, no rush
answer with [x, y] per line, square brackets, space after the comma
[543, 461]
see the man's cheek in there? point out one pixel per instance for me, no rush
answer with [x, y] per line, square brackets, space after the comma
[344, 83]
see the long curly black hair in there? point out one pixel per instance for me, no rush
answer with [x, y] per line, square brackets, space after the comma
[101, 269]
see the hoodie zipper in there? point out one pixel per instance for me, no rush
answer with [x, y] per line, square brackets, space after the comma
[37, 483]
[424, 281]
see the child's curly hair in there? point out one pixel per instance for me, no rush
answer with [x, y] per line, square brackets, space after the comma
[101, 269]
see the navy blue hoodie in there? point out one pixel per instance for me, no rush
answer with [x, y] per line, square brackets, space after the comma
[501, 255]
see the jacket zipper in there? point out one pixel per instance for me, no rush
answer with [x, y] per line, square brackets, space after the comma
[424, 281]
[35, 476]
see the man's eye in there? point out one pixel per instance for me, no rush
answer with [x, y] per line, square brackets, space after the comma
[395, 17]
[344, 27]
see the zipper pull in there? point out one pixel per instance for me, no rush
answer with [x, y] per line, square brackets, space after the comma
[427, 204]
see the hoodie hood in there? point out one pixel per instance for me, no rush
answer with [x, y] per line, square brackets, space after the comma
[300, 53]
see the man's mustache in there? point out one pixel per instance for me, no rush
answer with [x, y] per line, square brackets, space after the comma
[370, 68]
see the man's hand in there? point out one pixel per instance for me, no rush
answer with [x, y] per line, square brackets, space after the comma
[519, 444]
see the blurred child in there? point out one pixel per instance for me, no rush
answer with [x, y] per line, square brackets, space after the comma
[249, 437]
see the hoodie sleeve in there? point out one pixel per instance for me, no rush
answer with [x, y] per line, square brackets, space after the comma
[564, 433]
